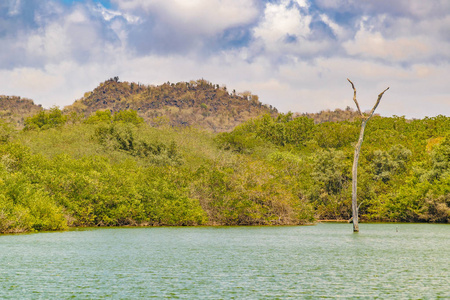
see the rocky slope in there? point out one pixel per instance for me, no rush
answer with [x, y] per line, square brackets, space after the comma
[196, 103]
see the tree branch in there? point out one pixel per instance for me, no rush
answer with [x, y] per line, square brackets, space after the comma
[354, 98]
[360, 204]
[376, 104]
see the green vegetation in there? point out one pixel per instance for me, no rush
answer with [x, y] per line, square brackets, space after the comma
[130, 154]
[46, 119]
[112, 169]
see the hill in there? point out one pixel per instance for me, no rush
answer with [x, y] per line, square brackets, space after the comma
[15, 109]
[337, 115]
[196, 103]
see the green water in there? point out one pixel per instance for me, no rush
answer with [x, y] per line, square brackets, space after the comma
[386, 261]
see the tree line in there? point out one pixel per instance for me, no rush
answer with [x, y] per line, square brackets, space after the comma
[113, 169]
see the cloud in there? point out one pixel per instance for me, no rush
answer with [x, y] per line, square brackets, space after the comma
[56, 34]
[410, 8]
[13, 7]
[109, 14]
[295, 54]
[373, 45]
[294, 30]
[189, 27]
[404, 42]
[281, 22]
[199, 17]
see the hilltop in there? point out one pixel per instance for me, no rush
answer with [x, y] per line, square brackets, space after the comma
[195, 103]
[15, 109]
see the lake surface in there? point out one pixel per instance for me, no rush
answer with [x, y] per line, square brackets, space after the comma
[387, 261]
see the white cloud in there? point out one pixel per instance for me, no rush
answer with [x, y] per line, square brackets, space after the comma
[50, 43]
[204, 17]
[76, 35]
[109, 14]
[14, 7]
[284, 32]
[280, 21]
[57, 84]
[302, 3]
[404, 41]
[339, 31]
[374, 45]
[412, 8]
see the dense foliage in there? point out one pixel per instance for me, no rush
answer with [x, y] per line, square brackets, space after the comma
[113, 169]
[403, 172]
[46, 119]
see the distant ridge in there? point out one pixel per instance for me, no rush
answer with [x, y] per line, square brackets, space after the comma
[337, 115]
[195, 103]
[15, 109]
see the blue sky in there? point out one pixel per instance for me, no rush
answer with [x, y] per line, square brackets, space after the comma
[104, 3]
[294, 54]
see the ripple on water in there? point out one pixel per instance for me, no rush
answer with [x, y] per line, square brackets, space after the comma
[327, 260]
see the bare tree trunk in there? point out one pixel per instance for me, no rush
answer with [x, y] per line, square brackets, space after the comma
[355, 177]
[365, 119]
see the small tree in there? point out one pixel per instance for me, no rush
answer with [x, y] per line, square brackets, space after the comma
[128, 116]
[100, 116]
[365, 119]
[46, 119]
[6, 129]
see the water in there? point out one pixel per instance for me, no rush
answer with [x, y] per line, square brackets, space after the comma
[386, 261]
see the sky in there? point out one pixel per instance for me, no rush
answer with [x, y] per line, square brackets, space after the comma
[296, 55]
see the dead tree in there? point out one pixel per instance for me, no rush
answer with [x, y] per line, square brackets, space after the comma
[364, 120]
